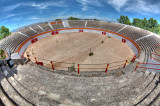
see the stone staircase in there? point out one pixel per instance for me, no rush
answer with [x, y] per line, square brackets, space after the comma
[30, 85]
[65, 23]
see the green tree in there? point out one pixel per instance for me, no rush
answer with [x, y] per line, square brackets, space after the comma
[152, 23]
[144, 23]
[4, 32]
[73, 18]
[58, 20]
[124, 20]
[137, 22]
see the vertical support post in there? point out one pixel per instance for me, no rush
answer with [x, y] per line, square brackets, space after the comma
[78, 68]
[35, 60]
[52, 65]
[107, 68]
[136, 66]
[125, 64]
[134, 58]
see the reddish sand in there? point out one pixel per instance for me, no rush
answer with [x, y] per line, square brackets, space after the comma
[75, 48]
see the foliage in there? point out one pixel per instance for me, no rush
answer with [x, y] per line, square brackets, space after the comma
[137, 22]
[73, 18]
[58, 20]
[102, 41]
[124, 20]
[4, 32]
[93, 19]
[1, 54]
[1, 51]
[90, 54]
[150, 25]
[72, 68]
[109, 36]
[3, 57]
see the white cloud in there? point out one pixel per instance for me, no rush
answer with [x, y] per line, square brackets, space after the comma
[33, 18]
[86, 4]
[143, 7]
[7, 16]
[4, 22]
[11, 7]
[117, 4]
[137, 6]
[42, 5]
[11, 20]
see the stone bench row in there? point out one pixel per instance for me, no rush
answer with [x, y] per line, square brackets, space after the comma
[57, 85]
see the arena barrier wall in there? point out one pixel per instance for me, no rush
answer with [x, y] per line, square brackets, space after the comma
[134, 46]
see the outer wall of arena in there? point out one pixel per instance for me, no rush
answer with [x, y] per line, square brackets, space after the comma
[134, 46]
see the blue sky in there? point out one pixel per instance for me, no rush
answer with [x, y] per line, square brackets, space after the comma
[25, 12]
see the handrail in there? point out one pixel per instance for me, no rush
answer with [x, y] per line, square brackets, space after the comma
[149, 68]
[149, 63]
[156, 54]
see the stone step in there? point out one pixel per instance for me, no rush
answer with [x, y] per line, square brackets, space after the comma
[11, 91]
[157, 100]
[133, 98]
[31, 96]
[3, 96]
[146, 83]
[56, 83]
[152, 95]
[117, 83]
[65, 23]
[146, 91]
[6, 101]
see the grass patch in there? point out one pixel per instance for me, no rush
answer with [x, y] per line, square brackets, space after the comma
[1, 52]
[3, 57]
[90, 54]
[102, 41]
[72, 67]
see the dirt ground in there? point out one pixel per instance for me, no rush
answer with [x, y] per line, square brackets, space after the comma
[66, 49]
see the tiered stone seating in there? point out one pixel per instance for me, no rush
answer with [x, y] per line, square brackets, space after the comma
[11, 91]
[45, 26]
[57, 26]
[31, 80]
[134, 33]
[105, 25]
[77, 24]
[149, 44]
[156, 54]
[149, 93]
[12, 41]
[27, 31]
[36, 28]
[19, 93]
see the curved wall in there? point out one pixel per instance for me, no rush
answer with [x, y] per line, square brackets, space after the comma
[134, 46]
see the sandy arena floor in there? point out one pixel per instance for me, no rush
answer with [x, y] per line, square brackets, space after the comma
[75, 48]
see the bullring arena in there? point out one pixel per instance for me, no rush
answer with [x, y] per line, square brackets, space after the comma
[75, 48]
[123, 70]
